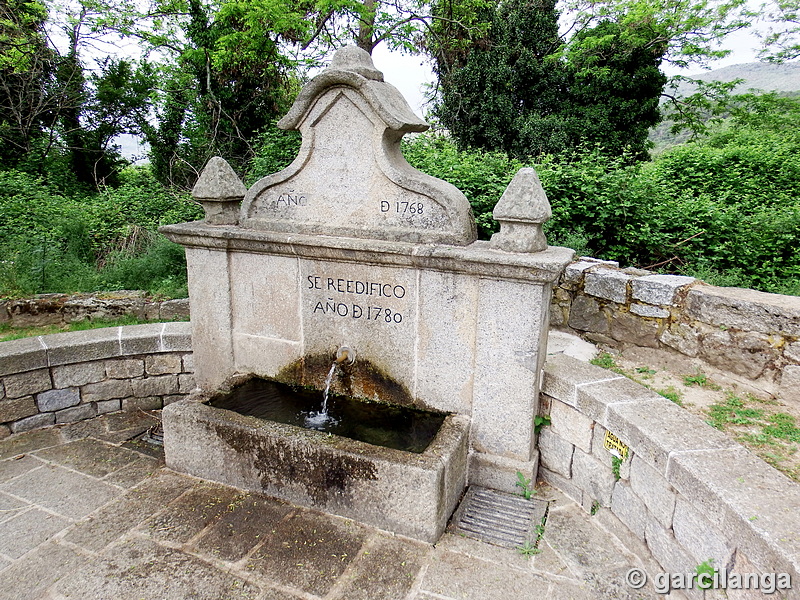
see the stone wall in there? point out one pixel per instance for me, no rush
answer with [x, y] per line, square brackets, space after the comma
[751, 334]
[685, 490]
[60, 309]
[69, 377]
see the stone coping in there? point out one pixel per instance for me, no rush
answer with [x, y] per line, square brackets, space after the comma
[478, 258]
[686, 489]
[94, 344]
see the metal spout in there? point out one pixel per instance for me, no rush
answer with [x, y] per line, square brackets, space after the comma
[345, 355]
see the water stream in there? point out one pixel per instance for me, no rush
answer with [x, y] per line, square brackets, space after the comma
[319, 420]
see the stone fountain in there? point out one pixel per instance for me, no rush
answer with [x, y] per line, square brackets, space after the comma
[351, 246]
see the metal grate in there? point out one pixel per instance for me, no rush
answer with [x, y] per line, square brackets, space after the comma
[499, 518]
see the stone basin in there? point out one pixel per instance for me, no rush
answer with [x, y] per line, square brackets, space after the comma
[412, 494]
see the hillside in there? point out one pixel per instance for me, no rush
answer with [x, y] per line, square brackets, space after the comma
[765, 77]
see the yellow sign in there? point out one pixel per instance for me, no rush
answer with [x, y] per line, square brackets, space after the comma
[614, 445]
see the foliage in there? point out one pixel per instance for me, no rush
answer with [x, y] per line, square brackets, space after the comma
[50, 242]
[526, 485]
[275, 150]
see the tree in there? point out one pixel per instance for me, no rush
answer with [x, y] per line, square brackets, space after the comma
[520, 89]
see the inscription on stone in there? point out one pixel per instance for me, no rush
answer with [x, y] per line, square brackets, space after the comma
[403, 208]
[286, 200]
[369, 307]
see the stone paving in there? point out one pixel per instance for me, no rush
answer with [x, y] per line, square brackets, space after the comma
[86, 516]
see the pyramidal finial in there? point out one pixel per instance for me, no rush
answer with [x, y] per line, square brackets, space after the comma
[220, 191]
[521, 211]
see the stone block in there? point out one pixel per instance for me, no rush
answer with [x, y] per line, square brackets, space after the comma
[174, 309]
[698, 536]
[608, 284]
[630, 329]
[574, 271]
[752, 504]
[659, 289]
[446, 346]
[602, 454]
[161, 364]
[34, 422]
[629, 508]
[27, 383]
[790, 384]
[18, 408]
[585, 314]
[176, 337]
[107, 406]
[26, 354]
[682, 338]
[509, 355]
[591, 476]
[167, 400]
[791, 352]
[669, 553]
[211, 320]
[106, 390]
[76, 413]
[500, 473]
[188, 363]
[160, 385]
[263, 356]
[565, 375]
[654, 429]
[125, 368]
[140, 339]
[747, 310]
[645, 310]
[146, 403]
[593, 399]
[186, 383]
[53, 400]
[561, 483]
[654, 490]
[78, 374]
[5, 431]
[571, 426]
[745, 354]
[83, 346]
[555, 453]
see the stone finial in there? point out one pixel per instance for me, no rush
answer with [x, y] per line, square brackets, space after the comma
[220, 191]
[356, 60]
[521, 211]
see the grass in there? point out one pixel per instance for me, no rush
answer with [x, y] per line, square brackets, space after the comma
[773, 436]
[8, 333]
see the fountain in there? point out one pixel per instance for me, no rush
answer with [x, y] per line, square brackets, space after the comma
[351, 243]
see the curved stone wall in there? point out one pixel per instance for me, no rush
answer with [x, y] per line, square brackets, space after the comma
[69, 377]
[685, 490]
[751, 334]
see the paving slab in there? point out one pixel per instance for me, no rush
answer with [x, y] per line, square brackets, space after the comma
[461, 577]
[14, 467]
[25, 531]
[191, 513]
[60, 490]
[114, 520]
[11, 507]
[243, 525]
[29, 441]
[385, 569]
[134, 472]
[89, 456]
[140, 568]
[29, 579]
[308, 552]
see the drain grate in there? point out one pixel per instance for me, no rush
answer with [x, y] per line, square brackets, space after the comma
[499, 518]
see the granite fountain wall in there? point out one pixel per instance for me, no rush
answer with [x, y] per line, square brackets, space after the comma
[350, 245]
